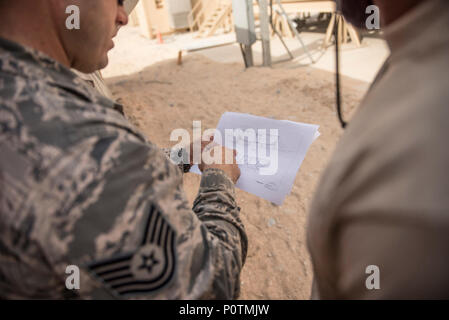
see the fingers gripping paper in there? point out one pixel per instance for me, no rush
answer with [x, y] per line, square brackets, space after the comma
[269, 152]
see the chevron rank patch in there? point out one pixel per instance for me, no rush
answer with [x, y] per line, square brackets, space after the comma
[147, 269]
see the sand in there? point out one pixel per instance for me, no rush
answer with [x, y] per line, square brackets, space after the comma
[163, 96]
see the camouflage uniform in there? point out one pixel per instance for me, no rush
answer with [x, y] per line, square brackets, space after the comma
[79, 185]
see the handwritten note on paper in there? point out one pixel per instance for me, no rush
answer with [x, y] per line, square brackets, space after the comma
[269, 152]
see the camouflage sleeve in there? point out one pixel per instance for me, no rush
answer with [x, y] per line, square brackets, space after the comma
[132, 233]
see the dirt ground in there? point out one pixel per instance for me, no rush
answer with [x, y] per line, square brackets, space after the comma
[164, 97]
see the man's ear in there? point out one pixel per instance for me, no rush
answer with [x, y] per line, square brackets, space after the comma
[122, 16]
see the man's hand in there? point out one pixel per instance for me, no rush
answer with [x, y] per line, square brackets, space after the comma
[204, 144]
[231, 168]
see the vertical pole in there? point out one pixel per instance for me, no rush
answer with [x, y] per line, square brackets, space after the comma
[248, 55]
[265, 33]
[293, 27]
[245, 32]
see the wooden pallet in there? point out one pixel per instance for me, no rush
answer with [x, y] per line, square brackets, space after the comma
[219, 16]
[347, 31]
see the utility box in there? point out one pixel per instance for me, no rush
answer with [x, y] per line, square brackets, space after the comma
[178, 12]
[244, 21]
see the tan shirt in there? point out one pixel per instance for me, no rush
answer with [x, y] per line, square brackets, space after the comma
[96, 80]
[384, 199]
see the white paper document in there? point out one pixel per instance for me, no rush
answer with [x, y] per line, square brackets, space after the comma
[269, 152]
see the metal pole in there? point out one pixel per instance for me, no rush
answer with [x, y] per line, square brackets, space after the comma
[265, 33]
[293, 27]
[249, 55]
[277, 32]
[245, 32]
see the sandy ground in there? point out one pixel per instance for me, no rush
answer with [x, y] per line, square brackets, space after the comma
[162, 96]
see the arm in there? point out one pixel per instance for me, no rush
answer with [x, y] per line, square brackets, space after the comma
[134, 235]
[412, 259]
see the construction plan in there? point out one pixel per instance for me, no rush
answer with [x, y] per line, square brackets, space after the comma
[269, 152]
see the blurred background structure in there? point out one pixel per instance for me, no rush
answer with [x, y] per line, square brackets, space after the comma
[214, 23]
[210, 17]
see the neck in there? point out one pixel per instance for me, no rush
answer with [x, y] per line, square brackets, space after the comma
[390, 11]
[29, 25]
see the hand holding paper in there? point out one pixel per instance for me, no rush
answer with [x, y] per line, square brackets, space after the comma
[269, 152]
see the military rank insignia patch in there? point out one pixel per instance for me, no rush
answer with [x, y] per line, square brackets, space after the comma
[147, 269]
